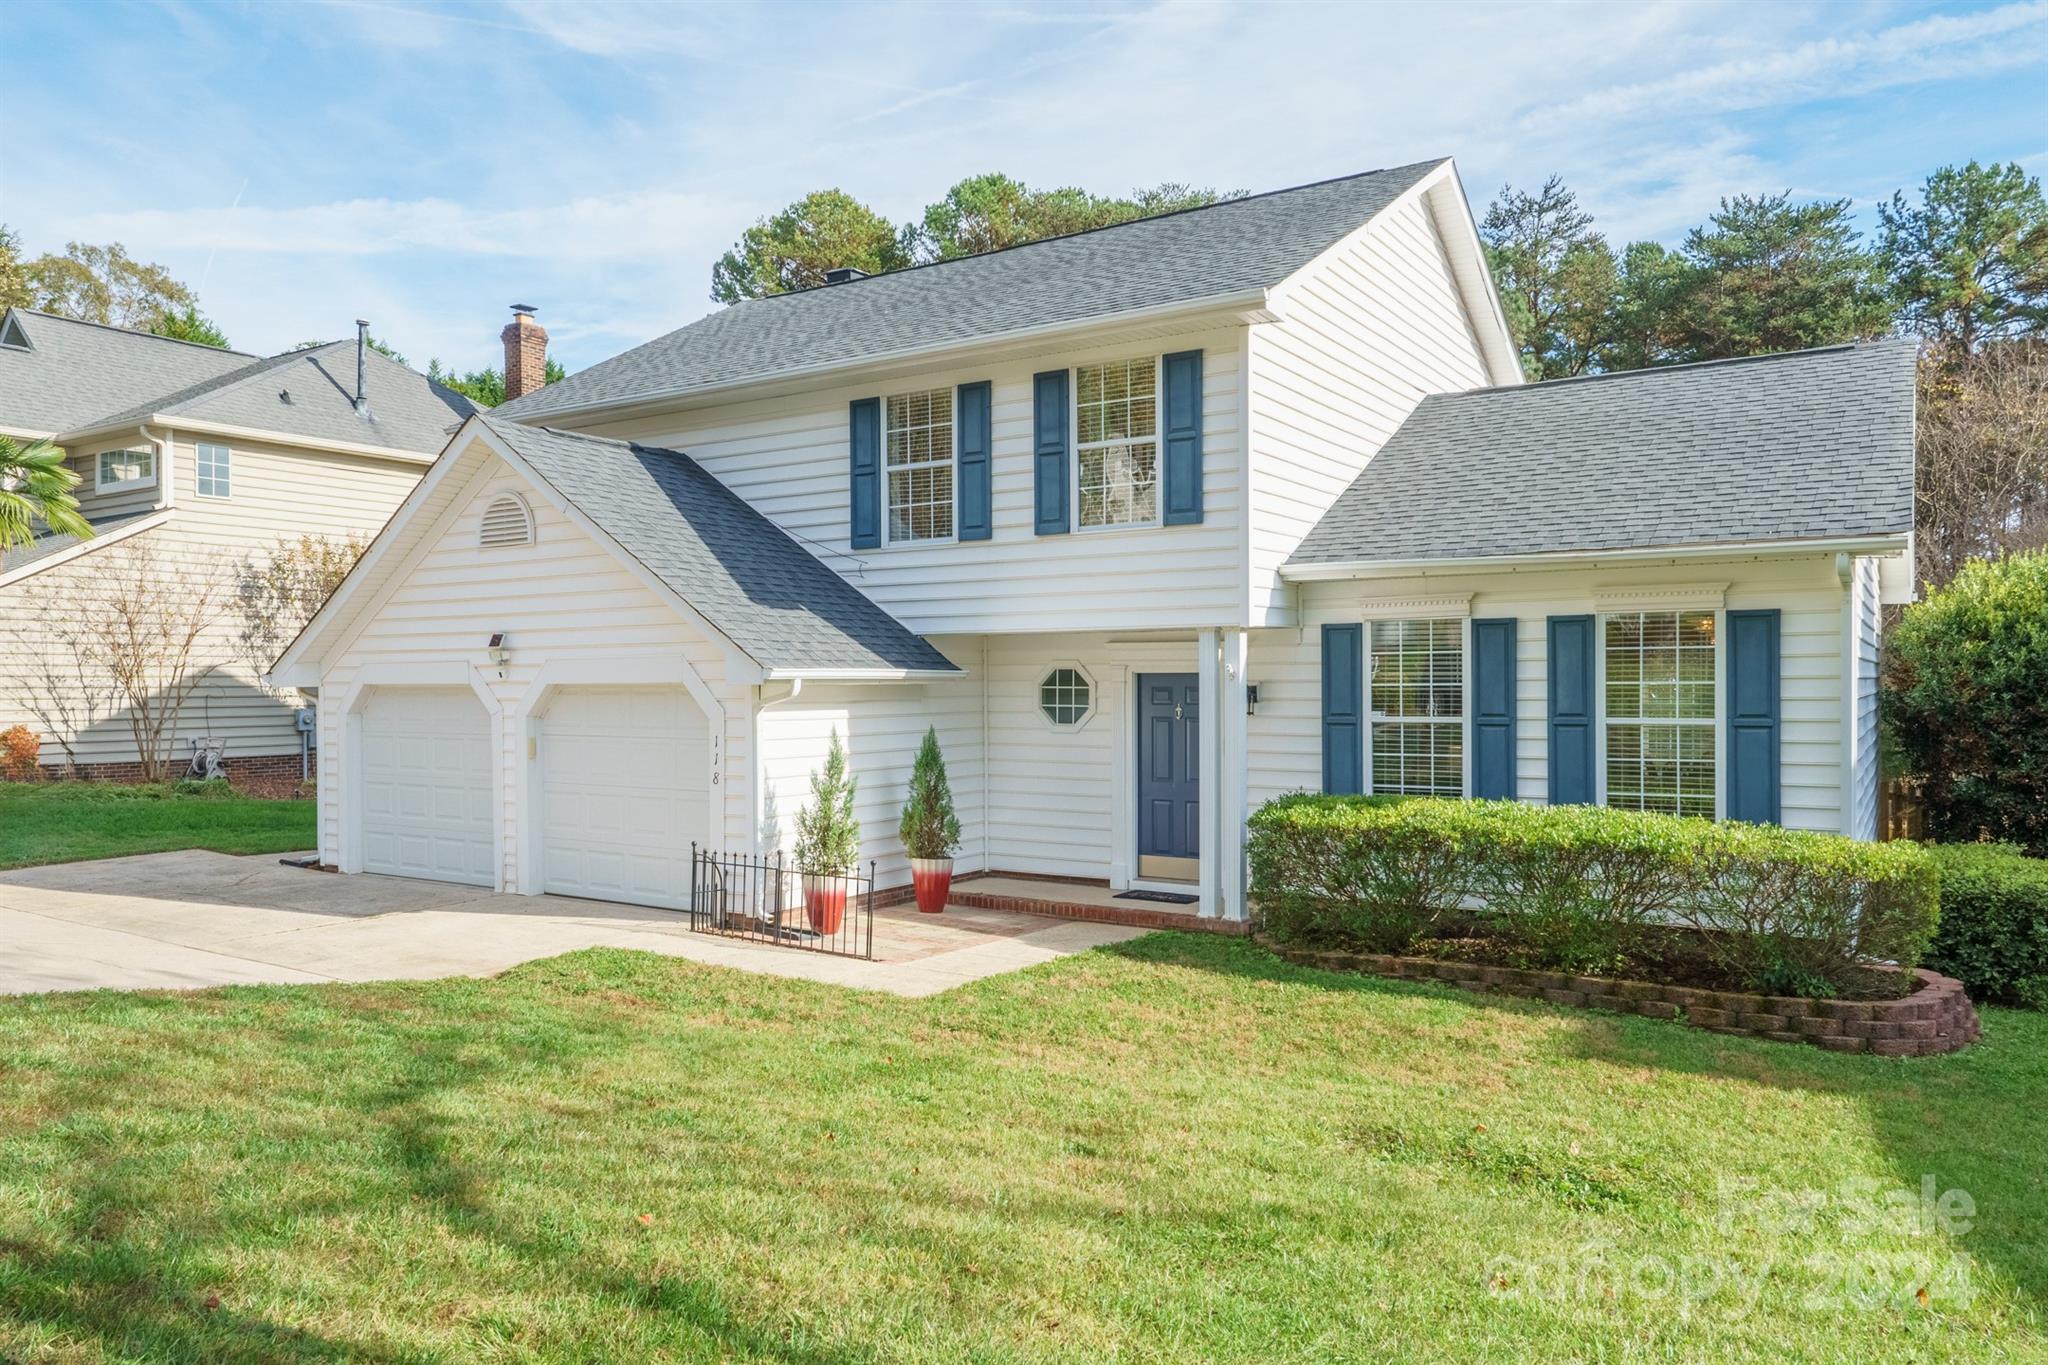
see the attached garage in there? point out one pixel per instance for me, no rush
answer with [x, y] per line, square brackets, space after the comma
[427, 785]
[624, 790]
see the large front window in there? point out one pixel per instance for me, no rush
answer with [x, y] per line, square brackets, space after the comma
[1116, 436]
[919, 441]
[1660, 711]
[1418, 708]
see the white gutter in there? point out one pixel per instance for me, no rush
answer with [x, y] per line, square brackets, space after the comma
[166, 470]
[1246, 299]
[1365, 568]
[282, 438]
[799, 675]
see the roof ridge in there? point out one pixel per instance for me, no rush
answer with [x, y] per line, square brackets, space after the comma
[131, 331]
[1644, 371]
[1101, 227]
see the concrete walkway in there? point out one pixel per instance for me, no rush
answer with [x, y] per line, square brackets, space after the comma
[192, 919]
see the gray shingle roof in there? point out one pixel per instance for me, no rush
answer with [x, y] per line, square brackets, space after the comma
[74, 371]
[1171, 259]
[768, 594]
[1803, 445]
[80, 376]
[51, 543]
[408, 411]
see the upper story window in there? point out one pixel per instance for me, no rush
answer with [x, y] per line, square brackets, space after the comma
[1116, 442]
[117, 469]
[212, 470]
[1660, 711]
[918, 438]
[1418, 707]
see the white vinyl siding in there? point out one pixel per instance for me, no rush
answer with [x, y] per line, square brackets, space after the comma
[917, 448]
[1116, 443]
[280, 493]
[1286, 726]
[1866, 624]
[211, 469]
[788, 457]
[1416, 746]
[1362, 339]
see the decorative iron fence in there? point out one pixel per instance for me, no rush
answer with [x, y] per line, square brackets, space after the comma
[762, 901]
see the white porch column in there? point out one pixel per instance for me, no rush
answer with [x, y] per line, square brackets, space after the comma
[1233, 763]
[1209, 700]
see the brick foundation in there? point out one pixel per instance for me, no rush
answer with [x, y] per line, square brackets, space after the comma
[269, 775]
[1936, 1018]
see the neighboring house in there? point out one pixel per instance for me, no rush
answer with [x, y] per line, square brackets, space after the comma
[208, 457]
[1153, 523]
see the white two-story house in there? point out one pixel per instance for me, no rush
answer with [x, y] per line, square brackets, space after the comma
[1152, 523]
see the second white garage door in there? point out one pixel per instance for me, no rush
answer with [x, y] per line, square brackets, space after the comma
[622, 793]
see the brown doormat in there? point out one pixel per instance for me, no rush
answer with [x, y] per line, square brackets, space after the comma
[1163, 897]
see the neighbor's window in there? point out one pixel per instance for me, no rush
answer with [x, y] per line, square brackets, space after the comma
[919, 440]
[1660, 711]
[213, 471]
[124, 469]
[1418, 708]
[1116, 439]
[1064, 696]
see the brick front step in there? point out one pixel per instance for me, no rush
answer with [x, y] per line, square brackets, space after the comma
[1137, 916]
[1936, 1018]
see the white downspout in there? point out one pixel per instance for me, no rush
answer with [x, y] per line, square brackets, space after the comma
[796, 687]
[166, 472]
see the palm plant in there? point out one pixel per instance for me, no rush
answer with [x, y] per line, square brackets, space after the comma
[35, 487]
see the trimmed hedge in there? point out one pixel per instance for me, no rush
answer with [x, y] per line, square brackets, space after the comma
[1577, 888]
[1994, 923]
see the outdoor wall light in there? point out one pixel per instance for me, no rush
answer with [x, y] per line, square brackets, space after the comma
[499, 651]
[1251, 699]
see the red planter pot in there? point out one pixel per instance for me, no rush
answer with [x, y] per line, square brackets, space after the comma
[933, 880]
[825, 903]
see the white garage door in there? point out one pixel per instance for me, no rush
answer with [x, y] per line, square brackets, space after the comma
[622, 778]
[427, 789]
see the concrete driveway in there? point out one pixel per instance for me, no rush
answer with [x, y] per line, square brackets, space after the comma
[191, 919]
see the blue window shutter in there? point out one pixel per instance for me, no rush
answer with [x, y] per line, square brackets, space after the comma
[1344, 709]
[1049, 475]
[1182, 429]
[971, 476]
[1493, 708]
[864, 440]
[1571, 710]
[1753, 712]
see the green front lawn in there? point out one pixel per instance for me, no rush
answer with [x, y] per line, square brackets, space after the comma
[1178, 1149]
[62, 822]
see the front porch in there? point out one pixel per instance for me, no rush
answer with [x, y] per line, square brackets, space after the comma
[1061, 898]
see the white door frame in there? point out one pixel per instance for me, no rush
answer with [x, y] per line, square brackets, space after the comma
[356, 696]
[658, 668]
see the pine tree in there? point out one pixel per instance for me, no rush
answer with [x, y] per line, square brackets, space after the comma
[929, 828]
[827, 834]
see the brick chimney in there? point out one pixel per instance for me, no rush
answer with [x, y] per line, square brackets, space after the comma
[526, 353]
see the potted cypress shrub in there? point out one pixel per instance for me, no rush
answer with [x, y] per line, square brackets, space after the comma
[828, 841]
[930, 829]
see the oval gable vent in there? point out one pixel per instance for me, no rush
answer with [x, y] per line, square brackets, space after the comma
[507, 521]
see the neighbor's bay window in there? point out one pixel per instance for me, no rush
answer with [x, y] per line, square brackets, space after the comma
[1418, 708]
[1660, 711]
[1116, 442]
[918, 440]
[124, 469]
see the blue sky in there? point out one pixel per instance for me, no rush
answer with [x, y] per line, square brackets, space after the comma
[423, 165]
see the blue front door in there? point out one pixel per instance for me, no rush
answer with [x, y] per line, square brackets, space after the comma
[1169, 797]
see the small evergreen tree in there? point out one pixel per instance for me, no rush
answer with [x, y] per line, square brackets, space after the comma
[827, 835]
[929, 827]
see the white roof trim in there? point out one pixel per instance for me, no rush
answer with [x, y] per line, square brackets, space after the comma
[1369, 568]
[280, 438]
[85, 547]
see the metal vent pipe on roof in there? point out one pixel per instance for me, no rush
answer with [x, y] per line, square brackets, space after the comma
[362, 346]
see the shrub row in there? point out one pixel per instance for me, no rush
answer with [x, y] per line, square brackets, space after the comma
[1578, 887]
[1994, 923]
